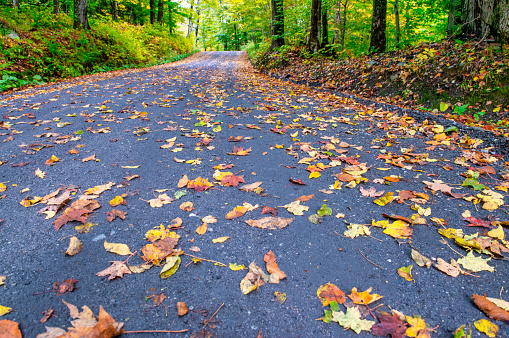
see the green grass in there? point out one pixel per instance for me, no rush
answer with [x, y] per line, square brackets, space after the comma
[49, 48]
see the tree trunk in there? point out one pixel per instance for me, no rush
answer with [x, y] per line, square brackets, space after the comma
[15, 4]
[56, 7]
[343, 27]
[325, 26]
[450, 19]
[190, 22]
[160, 12]
[80, 15]
[337, 20]
[377, 43]
[278, 24]
[114, 9]
[152, 12]
[197, 22]
[313, 42]
[396, 22]
[481, 19]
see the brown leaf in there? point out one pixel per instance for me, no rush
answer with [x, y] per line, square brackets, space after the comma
[182, 182]
[272, 266]
[330, 293]
[240, 151]
[390, 325]
[78, 211]
[271, 223]
[397, 217]
[232, 181]
[45, 317]
[405, 195]
[175, 223]
[250, 187]
[181, 308]
[117, 269]
[110, 216]
[156, 252]
[371, 192]
[345, 177]
[90, 158]
[65, 286]
[490, 309]
[75, 246]
[304, 198]
[269, 210]
[9, 329]
[187, 206]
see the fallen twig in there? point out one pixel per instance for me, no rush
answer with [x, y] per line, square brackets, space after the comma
[207, 260]
[208, 321]
[370, 261]
[157, 331]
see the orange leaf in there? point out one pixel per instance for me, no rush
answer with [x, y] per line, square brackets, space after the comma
[330, 293]
[305, 198]
[199, 184]
[490, 309]
[201, 229]
[181, 308]
[9, 329]
[237, 212]
[272, 266]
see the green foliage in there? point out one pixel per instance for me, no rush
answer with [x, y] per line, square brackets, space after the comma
[49, 48]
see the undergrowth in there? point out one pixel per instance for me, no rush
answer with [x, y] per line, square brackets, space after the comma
[48, 48]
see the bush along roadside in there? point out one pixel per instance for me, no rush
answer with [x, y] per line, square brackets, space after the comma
[467, 82]
[45, 48]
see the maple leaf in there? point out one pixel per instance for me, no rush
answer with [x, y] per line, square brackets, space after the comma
[475, 264]
[78, 211]
[295, 208]
[417, 328]
[272, 266]
[364, 298]
[371, 192]
[384, 200]
[352, 320]
[389, 325]
[158, 251]
[240, 151]
[117, 269]
[330, 293]
[9, 329]
[160, 201]
[65, 286]
[39, 173]
[97, 190]
[355, 230]
[110, 216]
[232, 181]
[271, 223]
[486, 327]
[235, 139]
[199, 184]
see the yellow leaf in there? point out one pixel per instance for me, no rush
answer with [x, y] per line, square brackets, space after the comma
[116, 201]
[2, 187]
[4, 310]
[117, 248]
[237, 267]
[130, 166]
[497, 233]
[417, 325]
[315, 174]
[487, 327]
[220, 239]
[385, 199]
[406, 272]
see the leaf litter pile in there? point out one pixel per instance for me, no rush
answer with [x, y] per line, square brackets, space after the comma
[233, 203]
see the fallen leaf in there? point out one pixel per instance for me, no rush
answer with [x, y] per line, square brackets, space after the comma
[253, 279]
[202, 229]
[364, 298]
[305, 198]
[117, 269]
[486, 327]
[117, 201]
[170, 267]
[90, 158]
[352, 320]
[232, 180]
[447, 268]
[110, 216]
[240, 151]
[160, 201]
[39, 173]
[355, 230]
[117, 248]
[237, 212]
[9, 329]
[65, 286]
[420, 259]
[75, 246]
[417, 328]
[475, 264]
[46, 315]
[295, 208]
[490, 309]
[220, 239]
[4, 310]
[384, 200]
[250, 187]
[279, 297]
[156, 252]
[183, 182]
[141, 267]
[181, 309]
[271, 223]
[97, 190]
[330, 293]
[406, 272]
[390, 325]
[371, 192]
[187, 206]
[199, 184]
[236, 267]
[272, 267]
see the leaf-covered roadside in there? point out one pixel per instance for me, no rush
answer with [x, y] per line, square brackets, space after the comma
[466, 78]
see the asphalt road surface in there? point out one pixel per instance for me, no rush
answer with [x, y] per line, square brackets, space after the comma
[192, 108]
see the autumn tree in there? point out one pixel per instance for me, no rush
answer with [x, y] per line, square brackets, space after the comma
[278, 24]
[81, 14]
[377, 42]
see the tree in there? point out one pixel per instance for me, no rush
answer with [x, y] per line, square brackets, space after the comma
[396, 23]
[278, 24]
[15, 4]
[152, 12]
[313, 42]
[340, 23]
[160, 12]
[480, 19]
[325, 26]
[56, 7]
[377, 42]
[450, 18]
[80, 14]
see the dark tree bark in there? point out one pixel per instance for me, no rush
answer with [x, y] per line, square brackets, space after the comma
[160, 12]
[450, 19]
[481, 19]
[152, 12]
[80, 14]
[377, 43]
[325, 26]
[278, 24]
[313, 43]
[56, 7]
[114, 9]
[396, 22]
[343, 26]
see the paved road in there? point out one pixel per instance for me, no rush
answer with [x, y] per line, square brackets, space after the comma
[125, 118]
